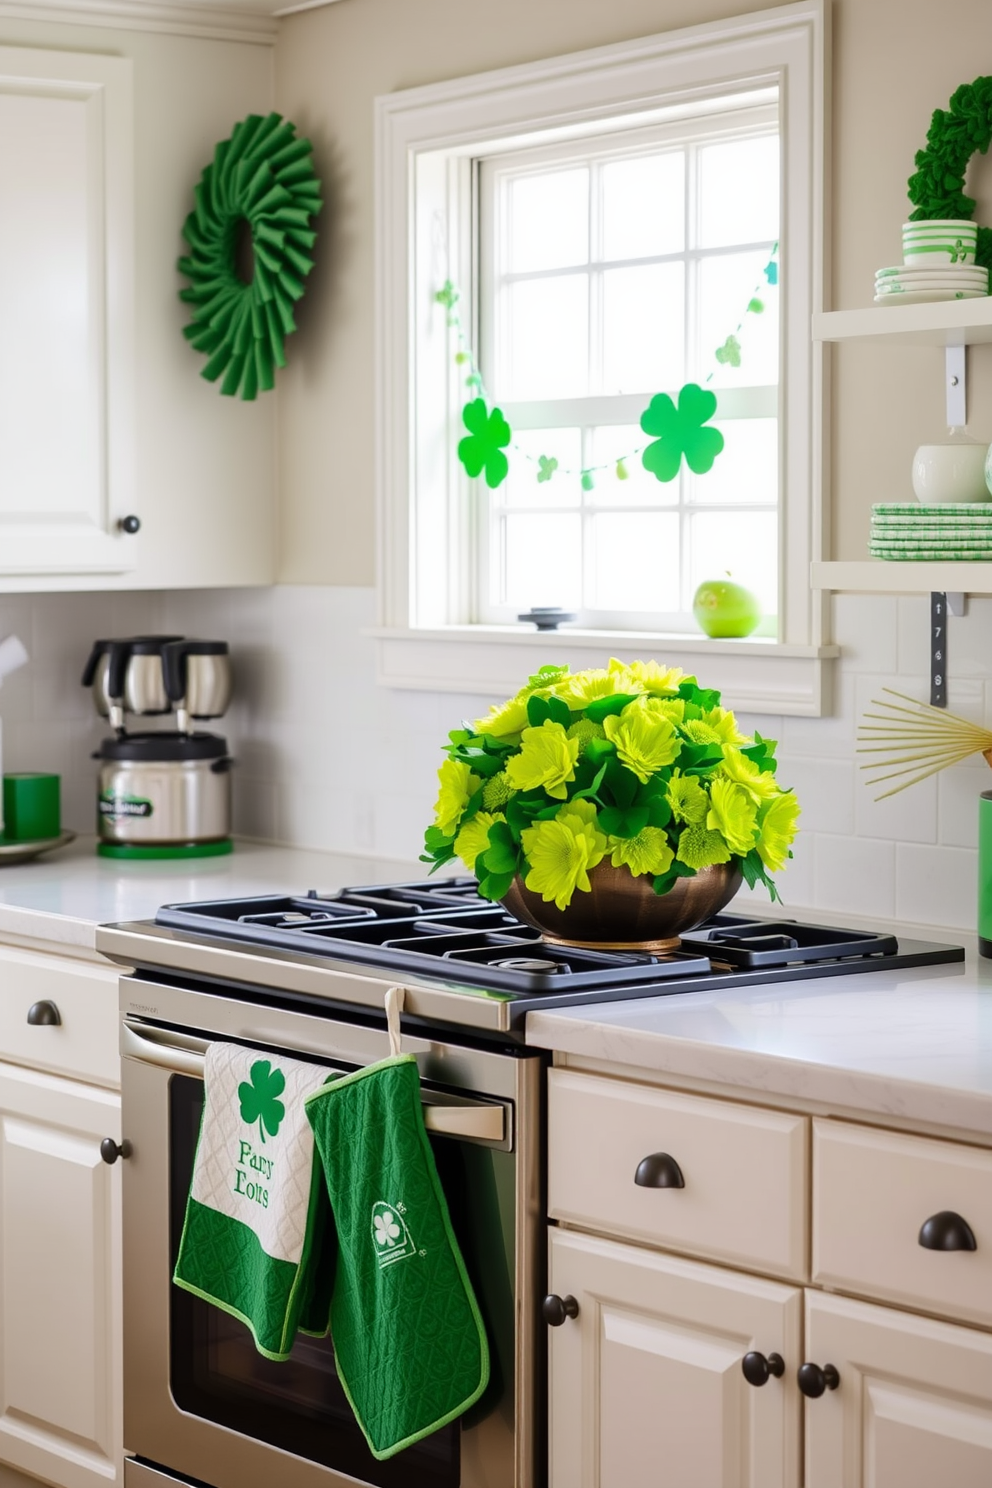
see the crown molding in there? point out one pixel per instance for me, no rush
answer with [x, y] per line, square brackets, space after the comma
[253, 21]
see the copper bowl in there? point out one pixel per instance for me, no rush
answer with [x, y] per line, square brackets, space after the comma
[622, 912]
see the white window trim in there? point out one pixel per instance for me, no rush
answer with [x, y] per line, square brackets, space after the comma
[789, 44]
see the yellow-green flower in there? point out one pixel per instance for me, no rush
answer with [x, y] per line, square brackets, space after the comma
[671, 708]
[697, 731]
[561, 852]
[645, 739]
[688, 800]
[648, 852]
[652, 676]
[547, 758]
[497, 791]
[504, 719]
[458, 786]
[759, 784]
[733, 814]
[699, 848]
[585, 731]
[583, 688]
[724, 725]
[778, 828]
[473, 838]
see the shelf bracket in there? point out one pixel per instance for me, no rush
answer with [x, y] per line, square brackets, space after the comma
[956, 387]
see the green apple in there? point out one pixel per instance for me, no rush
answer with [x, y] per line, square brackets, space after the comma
[724, 609]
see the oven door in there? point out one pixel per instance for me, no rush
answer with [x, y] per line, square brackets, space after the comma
[200, 1400]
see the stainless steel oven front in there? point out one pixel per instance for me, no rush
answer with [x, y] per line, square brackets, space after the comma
[200, 1403]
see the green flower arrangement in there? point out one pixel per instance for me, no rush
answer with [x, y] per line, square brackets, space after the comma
[635, 763]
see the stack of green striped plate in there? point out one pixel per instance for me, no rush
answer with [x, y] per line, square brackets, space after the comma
[960, 531]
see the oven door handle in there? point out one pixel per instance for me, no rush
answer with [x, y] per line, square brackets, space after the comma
[185, 1054]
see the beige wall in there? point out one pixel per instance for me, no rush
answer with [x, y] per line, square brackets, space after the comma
[894, 62]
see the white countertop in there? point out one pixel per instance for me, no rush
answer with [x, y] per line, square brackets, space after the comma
[63, 896]
[912, 1045]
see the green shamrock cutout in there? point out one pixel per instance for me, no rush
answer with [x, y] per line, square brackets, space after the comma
[260, 1100]
[482, 448]
[447, 295]
[756, 306]
[547, 465]
[771, 272]
[730, 352]
[679, 431]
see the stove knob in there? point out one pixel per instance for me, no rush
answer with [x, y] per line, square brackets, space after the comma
[758, 1370]
[556, 1309]
[110, 1150]
[813, 1380]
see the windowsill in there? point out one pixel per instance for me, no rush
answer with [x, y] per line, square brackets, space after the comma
[755, 675]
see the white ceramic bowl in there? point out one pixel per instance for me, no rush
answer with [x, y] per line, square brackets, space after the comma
[950, 472]
[939, 242]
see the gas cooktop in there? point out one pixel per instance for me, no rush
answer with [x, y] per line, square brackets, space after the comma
[466, 961]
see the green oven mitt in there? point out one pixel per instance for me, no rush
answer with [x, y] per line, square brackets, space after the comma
[408, 1337]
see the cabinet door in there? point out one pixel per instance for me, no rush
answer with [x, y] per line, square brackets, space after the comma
[60, 1280]
[646, 1386]
[66, 313]
[913, 1408]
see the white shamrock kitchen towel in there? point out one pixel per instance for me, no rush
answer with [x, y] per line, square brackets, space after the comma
[257, 1240]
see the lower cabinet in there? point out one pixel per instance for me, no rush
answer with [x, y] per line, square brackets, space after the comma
[60, 1280]
[647, 1389]
[913, 1408]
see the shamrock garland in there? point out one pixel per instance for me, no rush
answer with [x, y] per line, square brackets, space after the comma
[678, 429]
[936, 188]
[261, 181]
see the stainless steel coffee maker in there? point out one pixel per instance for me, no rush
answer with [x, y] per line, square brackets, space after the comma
[162, 792]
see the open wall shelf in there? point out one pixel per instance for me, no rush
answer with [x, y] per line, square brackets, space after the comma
[944, 323]
[874, 576]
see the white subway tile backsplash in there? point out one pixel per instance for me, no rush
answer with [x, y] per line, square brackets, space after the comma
[854, 875]
[328, 759]
[937, 886]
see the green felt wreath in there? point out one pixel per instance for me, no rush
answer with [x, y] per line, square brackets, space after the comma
[261, 183]
[955, 134]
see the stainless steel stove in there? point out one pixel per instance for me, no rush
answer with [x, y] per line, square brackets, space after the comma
[306, 975]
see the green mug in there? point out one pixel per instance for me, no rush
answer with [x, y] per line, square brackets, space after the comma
[31, 806]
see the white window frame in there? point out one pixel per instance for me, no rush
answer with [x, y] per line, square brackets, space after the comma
[426, 140]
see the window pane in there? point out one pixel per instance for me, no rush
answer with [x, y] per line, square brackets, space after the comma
[743, 544]
[640, 488]
[644, 206]
[643, 328]
[747, 470]
[549, 220]
[522, 487]
[738, 192]
[726, 285]
[635, 561]
[542, 563]
[547, 338]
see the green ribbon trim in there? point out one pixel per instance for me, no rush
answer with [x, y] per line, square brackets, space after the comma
[263, 177]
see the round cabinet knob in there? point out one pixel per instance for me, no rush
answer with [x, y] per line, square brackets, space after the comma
[130, 524]
[943, 1231]
[659, 1170]
[44, 1015]
[813, 1380]
[110, 1150]
[757, 1369]
[555, 1310]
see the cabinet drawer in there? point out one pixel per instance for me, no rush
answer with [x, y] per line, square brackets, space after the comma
[744, 1170]
[84, 1044]
[872, 1193]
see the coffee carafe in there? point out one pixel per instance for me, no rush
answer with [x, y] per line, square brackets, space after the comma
[162, 793]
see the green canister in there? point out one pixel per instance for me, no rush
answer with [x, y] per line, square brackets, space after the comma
[985, 873]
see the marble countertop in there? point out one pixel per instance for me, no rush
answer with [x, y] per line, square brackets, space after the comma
[914, 1045]
[63, 896]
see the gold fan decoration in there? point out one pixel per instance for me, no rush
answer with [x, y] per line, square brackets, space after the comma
[916, 740]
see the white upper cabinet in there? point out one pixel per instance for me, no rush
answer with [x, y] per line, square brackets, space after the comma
[67, 475]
